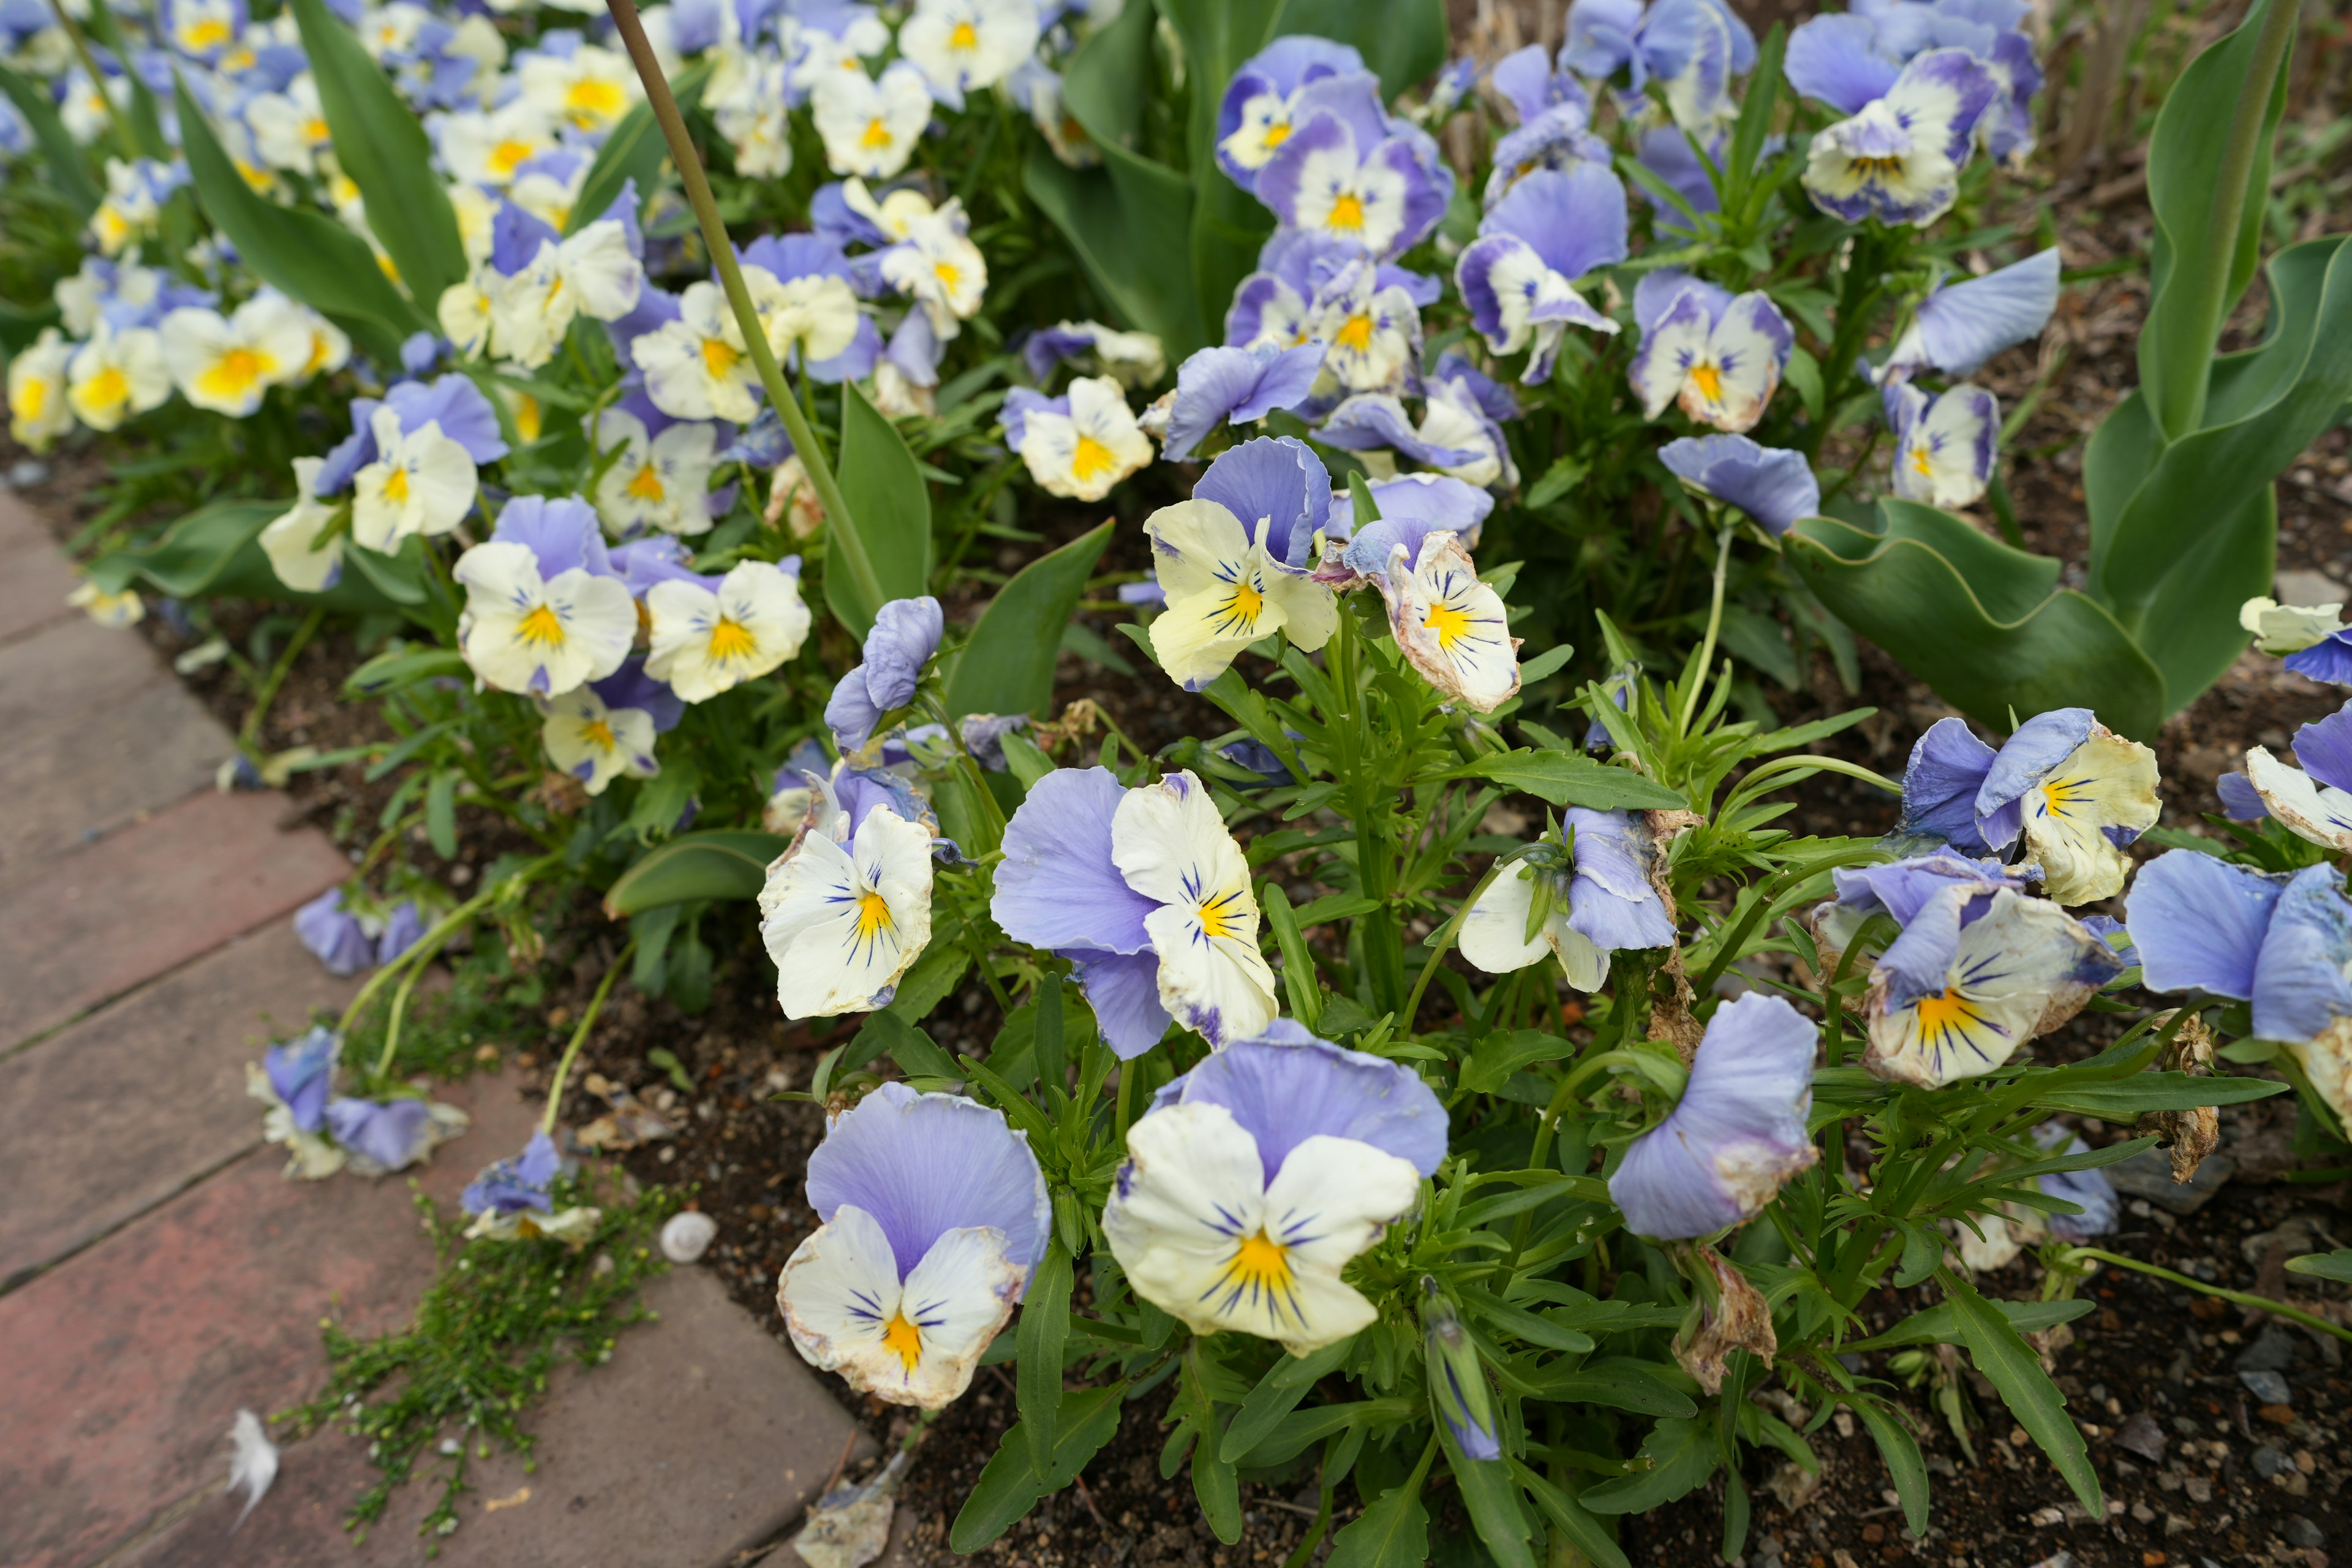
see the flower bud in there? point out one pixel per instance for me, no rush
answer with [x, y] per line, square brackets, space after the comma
[1457, 1384]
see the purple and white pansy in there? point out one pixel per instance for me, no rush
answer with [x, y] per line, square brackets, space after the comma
[847, 908]
[1958, 326]
[934, 1216]
[1944, 445]
[1349, 171]
[1577, 898]
[1771, 484]
[1242, 385]
[1518, 277]
[1898, 158]
[1738, 1133]
[1720, 355]
[545, 610]
[1267, 99]
[2314, 800]
[1235, 560]
[1147, 893]
[1255, 1177]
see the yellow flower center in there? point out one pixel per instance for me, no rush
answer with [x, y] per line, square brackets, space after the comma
[2060, 796]
[1873, 168]
[526, 418]
[1450, 622]
[947, 272]
[508, 154]
[208, 34]
[732, 639]
[1277, 133]
[541, 628]
[1242, 611]
[903, 1340]
[1347, 212]
[594, 100]
[647, 485]
[106, 389]
[1222, 915]
[878, 134]
[1355, 334]
[598, 733]
[236, 374]
[315, 129]
[720, 357]
[1091, 458]
[1947, 1019]
[1919, 462]
[965, 36]
[873, 916]
[1708, 380]
[29, 398]
[1259, 1274]
[395, 487]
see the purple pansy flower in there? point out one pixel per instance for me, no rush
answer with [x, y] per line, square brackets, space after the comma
[1943, 446]
[1719, 353]
[301, 1074]
[1771, 484]
[1518, 277]
[333, 934]
[905, 635]
[1239, 385]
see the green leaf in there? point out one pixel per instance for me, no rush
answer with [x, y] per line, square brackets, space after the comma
[1567, 778]
[382, 146]
[1393, 1532]
[194, 552]
[1298, 981]
[1044, 1328]
[1498, 1055]
[929, 983]
[2124, 1099]
[1492, 1497]
[2192, 193]
[1008, 1488]
[1583, 1532]
[2323, 1265]
[1994, 1346]
[1977, 620]
[1402, 40]
[1277, 1394]
[1127, 224]
[441, 814]
[1680, 1454]
[1531, 1327]
[399, 576]
[1566, 473]
[63, 162]
[1025, 761]
[1008, 665]
[724, 863]
[1938, 1325]
[1901, 1451]
[911, 1049]
[1215, 1487]
[632, 150]
[889, 513]
[305, 254]
[1622, 1383]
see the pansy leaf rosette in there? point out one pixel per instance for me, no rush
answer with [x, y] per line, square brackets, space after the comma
[935, 1214]
[1258, 1175]
[1147, 894]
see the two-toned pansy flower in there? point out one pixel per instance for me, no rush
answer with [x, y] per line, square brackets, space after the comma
[1262, 105]
[224, 364]
[1235, 560]
[2072, 793]
[1898, 158]
[935, 1214]
[657, 479]
[1958, 326]
[1077, 445]
[1348, 172]
[1943, 446]
[905, 635]
[545, 611]
[802, 286]
[2314, 801]
[421, 483]
[38, 412]
[596, 743]
[710, 636]
[1449, 624]
[1258, 1175]
[295, 1080]
[1738, 1133]
[2311, 638]
[1240, 385]
[536, 281]
[1719, 355]
[1979, 969]
[513, 1199]
[1899, 888]
[117, 375]
[1518, 277]
[1578, 899]
[1147, 893]
[2283, 944]
[697, 364]
[1846, 60]
[848, 912]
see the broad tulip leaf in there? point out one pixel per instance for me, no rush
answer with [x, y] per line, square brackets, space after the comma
[1976, 619]
[2190, 197]
[1008, 665]
[889, 513]
[720, 864]
[382, 146]
[2336, 1266]
[303, 254]
[1401, 40]
[216, 552]
[62, 159]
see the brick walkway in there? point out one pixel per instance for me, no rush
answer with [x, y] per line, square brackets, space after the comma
[158, 1272]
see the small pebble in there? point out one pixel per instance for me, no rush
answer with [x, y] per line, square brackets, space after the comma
[2268, 1462]
[2300, 1531]
[2267, 1386]
[687, 1236]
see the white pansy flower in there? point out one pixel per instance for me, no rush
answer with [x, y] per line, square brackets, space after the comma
[306, 557]
[870, 126]
[113, 611]
[37, 410]
[116, 375]
[657, 481]
[2278, 629]
[1171, 847]
[422, 482]
[1082, 454]
[588, 89]
[698, 366]
[707, 641]
[1225, 590]
[487, 146]
[597, 745]
[464, 310]
[224, 363]
[1450, 626]
[289, 128]
[844, 921]
[940, 267]
[592, 273]
[964, 46]
[522, 632]
[814, 315]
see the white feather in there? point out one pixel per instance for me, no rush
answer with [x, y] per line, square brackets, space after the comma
[254, 1464]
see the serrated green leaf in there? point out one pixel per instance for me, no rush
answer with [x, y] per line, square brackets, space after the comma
[1393, 1532]
[1681, 1456]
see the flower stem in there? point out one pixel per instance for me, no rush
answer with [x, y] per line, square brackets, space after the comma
[1714, 625]
[580, 1037]
[2244, 1299]
[123, 135]
[844, 537]
[249, 733]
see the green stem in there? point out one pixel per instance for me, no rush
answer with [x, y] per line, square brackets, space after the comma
[1714, 625]
[121, 127]
[2244, 1299]
[844, 536]
[2181, 399]
[1443, 944]
[580, 1037]
[1127, 1071]
[250, 731]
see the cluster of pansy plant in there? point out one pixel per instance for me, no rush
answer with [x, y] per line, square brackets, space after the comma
[1545, 1218]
